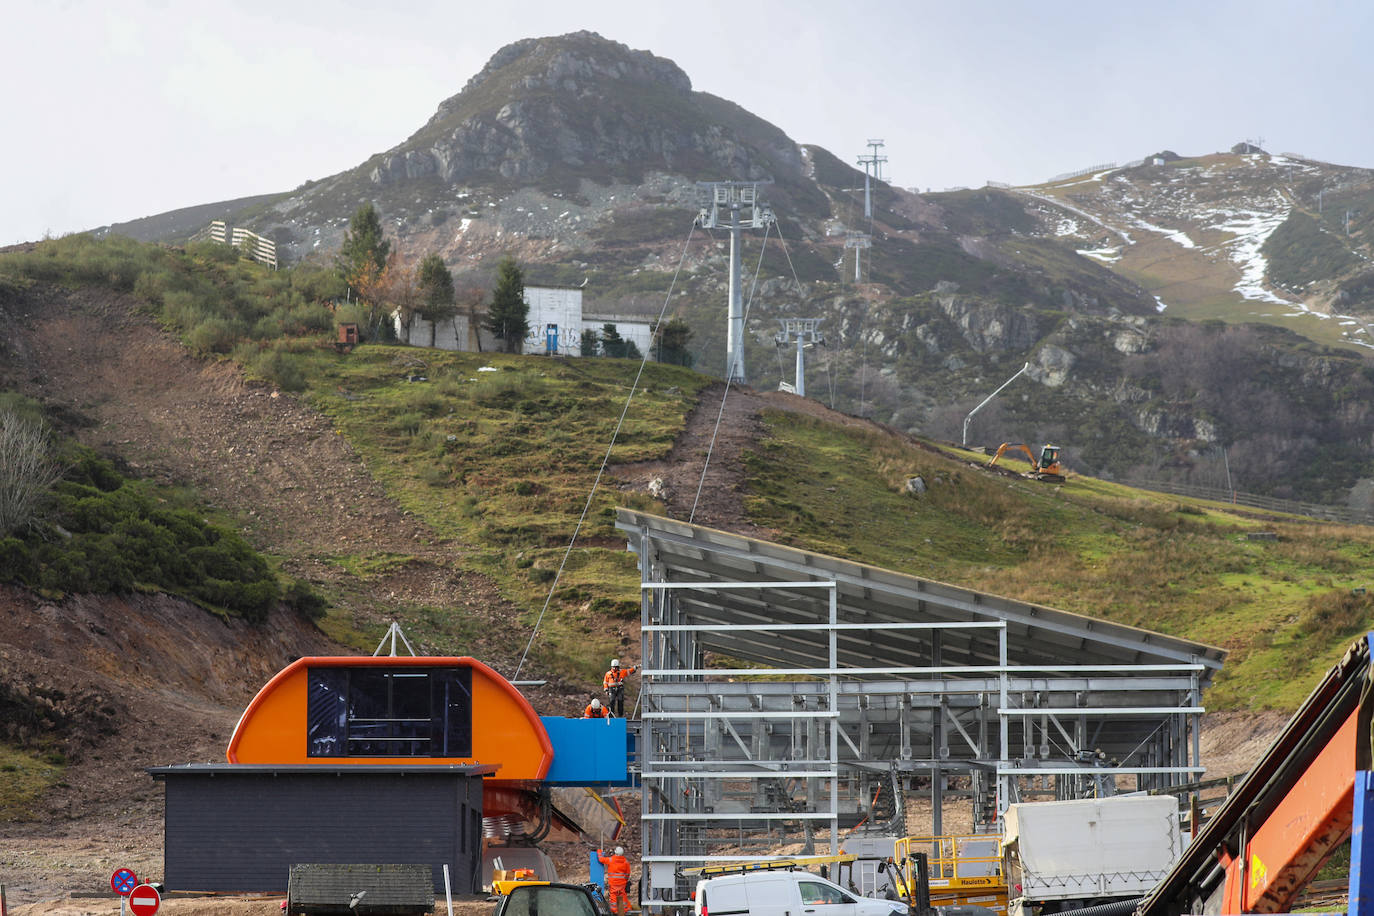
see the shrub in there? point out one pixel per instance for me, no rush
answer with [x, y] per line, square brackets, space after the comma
[281, 368]
[115, 536]
[305, 600]
[28, 469]
[1336, 614]
[213, 335]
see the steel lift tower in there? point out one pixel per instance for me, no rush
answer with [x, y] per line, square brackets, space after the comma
[873, 168]
[733, 205]
[804, 331]
[858, 241]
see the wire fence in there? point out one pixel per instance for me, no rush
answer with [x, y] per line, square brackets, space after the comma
[1347, 514]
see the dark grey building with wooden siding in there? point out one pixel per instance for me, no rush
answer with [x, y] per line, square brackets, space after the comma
[240, 827]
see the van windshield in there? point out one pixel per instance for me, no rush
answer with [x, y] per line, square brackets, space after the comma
[543, 900]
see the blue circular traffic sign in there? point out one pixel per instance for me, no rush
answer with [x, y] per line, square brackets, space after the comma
[123, 881]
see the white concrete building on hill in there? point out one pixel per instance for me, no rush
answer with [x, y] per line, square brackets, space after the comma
[556, 321]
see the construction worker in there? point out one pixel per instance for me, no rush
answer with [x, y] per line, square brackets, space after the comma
[617, 879]
[595, 710]
[614, 684]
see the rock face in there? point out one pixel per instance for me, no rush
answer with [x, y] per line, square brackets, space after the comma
[989, 328]
[580, 105]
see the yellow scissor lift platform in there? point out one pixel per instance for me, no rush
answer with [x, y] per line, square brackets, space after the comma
[964, 870]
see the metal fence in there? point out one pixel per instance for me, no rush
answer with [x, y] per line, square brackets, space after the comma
[1346, 514]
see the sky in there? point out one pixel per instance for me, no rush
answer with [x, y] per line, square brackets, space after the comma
[116, 110]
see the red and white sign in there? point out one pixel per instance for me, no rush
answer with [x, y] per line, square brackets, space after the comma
[123, 881]
[145, 900]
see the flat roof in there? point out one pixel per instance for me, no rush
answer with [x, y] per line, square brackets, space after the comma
[401, 768]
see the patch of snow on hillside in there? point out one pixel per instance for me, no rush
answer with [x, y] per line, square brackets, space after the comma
[1251, 229]
[1062, 205]
[462, 227]
[1172, 235]
[1105, 255]
[1159, 304]
[1067, 226]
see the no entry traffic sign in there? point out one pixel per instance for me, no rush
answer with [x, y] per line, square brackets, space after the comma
[123, 881]
[144, 900]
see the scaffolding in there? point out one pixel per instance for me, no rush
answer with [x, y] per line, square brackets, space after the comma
[789, 696]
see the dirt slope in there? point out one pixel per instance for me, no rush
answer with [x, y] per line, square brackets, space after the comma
[173, 677]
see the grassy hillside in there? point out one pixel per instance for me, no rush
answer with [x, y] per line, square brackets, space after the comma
[497, 454]
[1284, 597]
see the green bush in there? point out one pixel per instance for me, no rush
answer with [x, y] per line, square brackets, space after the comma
[305, 600]
[213, 335]
[279, 367]
[1335, 614]
[110, 534]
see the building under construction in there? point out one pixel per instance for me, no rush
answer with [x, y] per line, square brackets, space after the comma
[789, 696]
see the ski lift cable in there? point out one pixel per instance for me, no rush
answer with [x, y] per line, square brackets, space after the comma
[629, 399]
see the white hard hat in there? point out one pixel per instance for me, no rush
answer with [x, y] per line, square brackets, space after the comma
[615, 663]
[620, 850]
[596, 704]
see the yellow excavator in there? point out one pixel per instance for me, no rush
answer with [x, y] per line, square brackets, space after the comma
[1047, 468]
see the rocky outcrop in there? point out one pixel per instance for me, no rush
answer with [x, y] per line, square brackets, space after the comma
[582, 105]
[989, 327]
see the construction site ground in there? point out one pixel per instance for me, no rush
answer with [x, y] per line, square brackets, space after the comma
[168, 680]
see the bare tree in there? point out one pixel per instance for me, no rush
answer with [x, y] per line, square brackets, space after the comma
[27, 469]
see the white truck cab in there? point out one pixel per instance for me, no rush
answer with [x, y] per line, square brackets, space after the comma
[784, 893]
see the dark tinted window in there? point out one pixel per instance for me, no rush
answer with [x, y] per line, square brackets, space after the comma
[389, 712]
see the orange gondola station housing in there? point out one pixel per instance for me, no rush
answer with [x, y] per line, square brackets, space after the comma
[351, 746]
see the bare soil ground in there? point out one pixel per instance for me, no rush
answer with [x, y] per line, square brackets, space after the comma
[173, 677]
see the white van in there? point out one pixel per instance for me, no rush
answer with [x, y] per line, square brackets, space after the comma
[785, 893]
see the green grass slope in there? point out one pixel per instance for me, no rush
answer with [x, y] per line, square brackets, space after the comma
[1284, 606]
[498, 455]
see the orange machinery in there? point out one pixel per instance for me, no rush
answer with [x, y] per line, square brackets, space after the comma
[1047, 468]
[1309, 793]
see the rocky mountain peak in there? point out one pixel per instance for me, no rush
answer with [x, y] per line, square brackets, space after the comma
[561, 61]
[554, 111]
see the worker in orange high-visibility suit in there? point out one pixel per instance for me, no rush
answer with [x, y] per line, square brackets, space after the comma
[614, 685]
[617, 879]
[595, 710]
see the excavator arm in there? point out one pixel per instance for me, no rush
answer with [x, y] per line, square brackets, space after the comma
[1014, 447]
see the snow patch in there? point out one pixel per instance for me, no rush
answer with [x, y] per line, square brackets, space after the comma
[1105, 255]
[1159, 304]
[1251, 230]
[1172, 235]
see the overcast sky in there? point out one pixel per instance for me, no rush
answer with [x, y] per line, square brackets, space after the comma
[117, 110]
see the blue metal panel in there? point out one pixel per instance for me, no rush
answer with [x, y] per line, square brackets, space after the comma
[587, 752]
[1362, 872]
[596, 872]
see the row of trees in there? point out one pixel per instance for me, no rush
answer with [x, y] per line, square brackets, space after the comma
[371, 267]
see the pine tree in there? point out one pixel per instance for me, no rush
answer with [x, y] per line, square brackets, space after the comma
[508, 317]
[365, 251]
[437, 301]
[673, 337]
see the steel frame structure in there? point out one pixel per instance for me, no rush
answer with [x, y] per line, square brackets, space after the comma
[785, 693]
